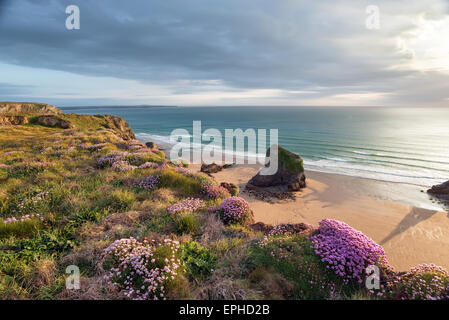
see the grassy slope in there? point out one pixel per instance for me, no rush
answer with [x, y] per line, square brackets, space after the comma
[46, 172]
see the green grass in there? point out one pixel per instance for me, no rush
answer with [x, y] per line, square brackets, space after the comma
[199, 261]
[19, 229]
[186, 186]
[291, 163]
[86, 208]
[187, 224]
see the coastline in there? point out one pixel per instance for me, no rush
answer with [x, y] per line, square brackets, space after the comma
[389, 213]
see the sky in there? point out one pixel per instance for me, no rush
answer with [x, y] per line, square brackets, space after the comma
[222, 53]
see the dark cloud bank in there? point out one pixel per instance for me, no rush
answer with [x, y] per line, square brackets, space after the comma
[319, 46]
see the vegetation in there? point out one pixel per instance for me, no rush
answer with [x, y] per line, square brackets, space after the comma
[292, 163]
[93, 197]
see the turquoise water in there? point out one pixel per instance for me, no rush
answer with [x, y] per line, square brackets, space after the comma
[409, 145]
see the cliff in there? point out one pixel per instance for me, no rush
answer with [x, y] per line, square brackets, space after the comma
[27, 107]
[139, 226]
[14, 114]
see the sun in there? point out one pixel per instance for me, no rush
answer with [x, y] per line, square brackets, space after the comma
[427, 46]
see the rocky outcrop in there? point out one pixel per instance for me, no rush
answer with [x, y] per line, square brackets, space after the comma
[210, 168]
[151, 145]
[119, 125]
[290, 173]
[12, 120]
[213, 168]
[26, 107]
[54, 121]
[440, 191]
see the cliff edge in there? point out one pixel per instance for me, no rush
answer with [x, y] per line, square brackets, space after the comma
[28, 107]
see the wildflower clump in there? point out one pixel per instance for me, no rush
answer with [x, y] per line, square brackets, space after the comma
[23, 218]
[424, 282]
[135, 145]
[186, 205]
[110, 158]
[31, 204]
[345, 250]
[93, 147]
[123, 166]
[149, 183]
[21, 227]
[234, 210]
[149, 165]
[212, 190]
[143, 270]
[184, 171]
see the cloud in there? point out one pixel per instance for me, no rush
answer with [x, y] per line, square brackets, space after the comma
[237, 51]
[8, 89]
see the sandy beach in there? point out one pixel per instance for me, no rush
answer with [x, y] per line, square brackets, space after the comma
[400, 217]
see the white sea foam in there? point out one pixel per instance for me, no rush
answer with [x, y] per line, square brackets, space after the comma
[364, 169]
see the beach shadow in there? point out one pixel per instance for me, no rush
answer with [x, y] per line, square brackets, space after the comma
[415, 216]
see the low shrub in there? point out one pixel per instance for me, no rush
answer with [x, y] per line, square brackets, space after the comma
[150, 182]
[211, 190]
[186, 205]
[424, 282]
[110, 158]
[346, 251]
[199, 261]
[123, 166]
[143, 270]
[234, 210]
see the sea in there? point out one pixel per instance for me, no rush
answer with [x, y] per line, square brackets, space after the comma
[404, 145]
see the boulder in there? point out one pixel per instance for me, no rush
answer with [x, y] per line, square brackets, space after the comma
[210, 168]
[440, 191]
[54, 121]
[13, 120]
[214, 168]
[290, 173]
[151, 145]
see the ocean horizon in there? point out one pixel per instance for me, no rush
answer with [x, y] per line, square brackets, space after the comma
[404, 145]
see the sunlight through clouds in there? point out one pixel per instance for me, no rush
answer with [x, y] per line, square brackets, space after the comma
[427, 45]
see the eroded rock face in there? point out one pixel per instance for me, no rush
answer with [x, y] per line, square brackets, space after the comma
[25, 107]
[13, 120]
[54, 121]
[440, 191]
[290, 173]
[119, 125]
